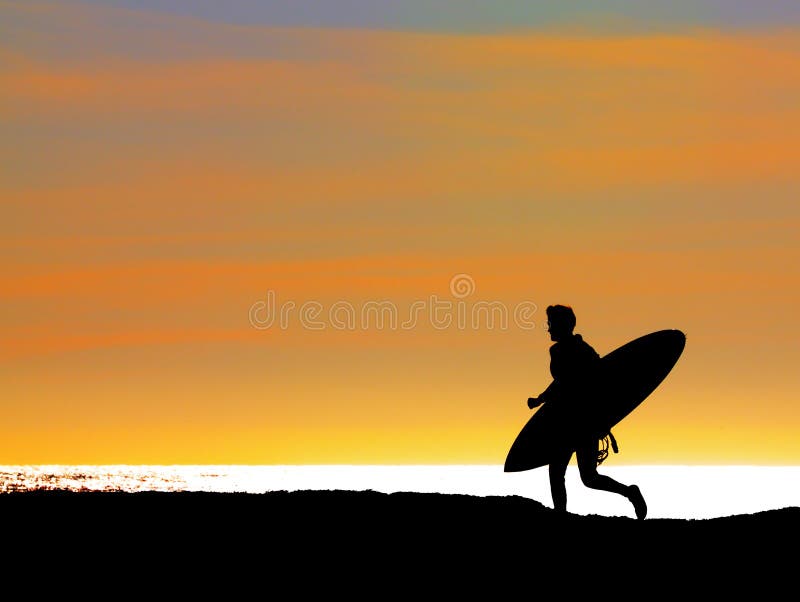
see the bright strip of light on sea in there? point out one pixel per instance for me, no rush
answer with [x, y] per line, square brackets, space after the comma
[689, 492]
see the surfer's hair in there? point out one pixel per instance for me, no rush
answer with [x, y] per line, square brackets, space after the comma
[561, 314]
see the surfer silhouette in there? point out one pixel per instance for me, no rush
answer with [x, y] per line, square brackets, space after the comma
[572, 361]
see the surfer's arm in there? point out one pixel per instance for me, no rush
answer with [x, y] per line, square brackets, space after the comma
[549, 393]
[546, 395]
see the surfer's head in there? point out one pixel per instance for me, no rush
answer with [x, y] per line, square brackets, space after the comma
[560, 321]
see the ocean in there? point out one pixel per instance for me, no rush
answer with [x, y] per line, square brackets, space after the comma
[687, 492]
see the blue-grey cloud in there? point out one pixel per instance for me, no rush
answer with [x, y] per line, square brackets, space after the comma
[479, 15]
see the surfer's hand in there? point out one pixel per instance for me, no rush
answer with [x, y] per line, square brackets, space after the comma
[533, 402]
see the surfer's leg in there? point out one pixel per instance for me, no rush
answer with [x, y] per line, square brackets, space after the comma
[587, 465]
[558, 488]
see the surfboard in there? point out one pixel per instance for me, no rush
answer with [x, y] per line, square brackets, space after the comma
[625, 378]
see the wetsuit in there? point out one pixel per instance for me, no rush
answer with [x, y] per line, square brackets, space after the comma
[572, 362]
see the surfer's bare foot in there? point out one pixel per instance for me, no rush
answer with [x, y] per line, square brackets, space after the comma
[533, 402]
[636, 498]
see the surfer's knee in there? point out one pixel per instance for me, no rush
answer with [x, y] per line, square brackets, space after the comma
[587, 468]
[590, 479]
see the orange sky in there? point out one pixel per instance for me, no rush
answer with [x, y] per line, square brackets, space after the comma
[154, 187]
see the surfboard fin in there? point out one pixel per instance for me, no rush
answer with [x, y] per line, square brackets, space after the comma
[614, 445]
[602, 452]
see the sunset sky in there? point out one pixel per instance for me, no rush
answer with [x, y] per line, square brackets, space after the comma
[172, 171]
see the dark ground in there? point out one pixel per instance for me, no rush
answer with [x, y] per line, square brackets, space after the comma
[376, 545]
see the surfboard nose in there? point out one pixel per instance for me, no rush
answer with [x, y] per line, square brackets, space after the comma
[677, 339]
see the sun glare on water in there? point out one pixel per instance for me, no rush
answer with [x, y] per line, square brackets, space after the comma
[689, 492]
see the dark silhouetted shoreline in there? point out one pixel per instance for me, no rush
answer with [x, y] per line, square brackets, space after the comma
[422, 538]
